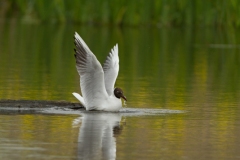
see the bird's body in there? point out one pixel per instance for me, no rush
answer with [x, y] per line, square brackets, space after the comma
[97, 82]
[109, 104]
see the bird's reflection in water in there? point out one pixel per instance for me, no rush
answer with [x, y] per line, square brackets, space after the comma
[97, 133]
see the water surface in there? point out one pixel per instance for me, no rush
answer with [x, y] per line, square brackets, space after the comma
[193, 70]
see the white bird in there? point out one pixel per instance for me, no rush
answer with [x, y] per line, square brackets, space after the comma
[97, 82]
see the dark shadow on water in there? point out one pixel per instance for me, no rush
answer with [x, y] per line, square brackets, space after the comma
[33, 106]
[37, 104]
[63, 107]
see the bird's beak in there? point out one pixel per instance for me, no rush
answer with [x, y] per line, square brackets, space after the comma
[124, 97]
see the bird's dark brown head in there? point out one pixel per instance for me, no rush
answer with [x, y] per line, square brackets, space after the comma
[119, 93]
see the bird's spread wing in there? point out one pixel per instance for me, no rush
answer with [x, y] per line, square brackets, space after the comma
[91, 74]
[111, 68]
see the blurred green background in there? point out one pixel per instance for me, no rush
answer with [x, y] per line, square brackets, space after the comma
[186, 57]
[125, 12]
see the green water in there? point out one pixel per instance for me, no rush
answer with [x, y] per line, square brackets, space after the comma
[189, 69]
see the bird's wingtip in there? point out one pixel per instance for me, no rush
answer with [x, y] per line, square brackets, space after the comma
[76, 34]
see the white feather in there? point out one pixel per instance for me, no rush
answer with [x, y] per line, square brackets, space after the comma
[111, 68]
[80, 98]
[92, 78]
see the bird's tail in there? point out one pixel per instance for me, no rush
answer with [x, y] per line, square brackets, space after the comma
[80, 98]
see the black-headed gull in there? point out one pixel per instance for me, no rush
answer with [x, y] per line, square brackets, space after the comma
[97, 82]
